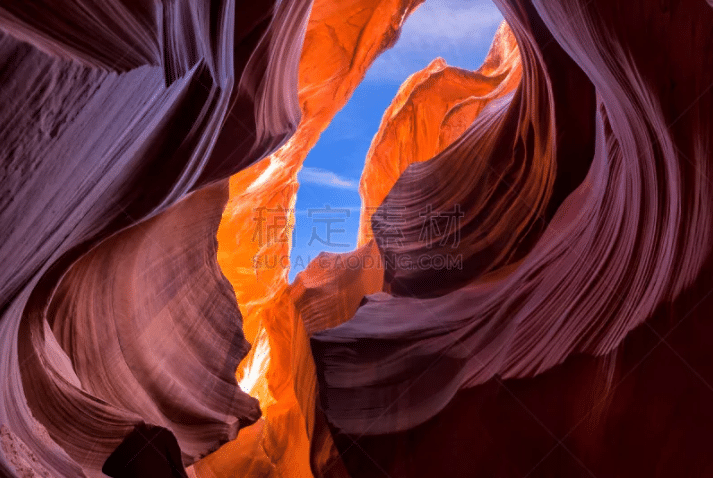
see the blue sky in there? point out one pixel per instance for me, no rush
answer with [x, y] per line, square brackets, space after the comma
[460, 31]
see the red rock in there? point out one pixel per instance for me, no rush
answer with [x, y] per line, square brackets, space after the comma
[572, 340]
[431, 110]
[114, 308]
[341, 42]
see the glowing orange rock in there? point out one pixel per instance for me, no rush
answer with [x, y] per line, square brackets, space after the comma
[342, 40]
[327, 294]
[255, 233]
[430, 111]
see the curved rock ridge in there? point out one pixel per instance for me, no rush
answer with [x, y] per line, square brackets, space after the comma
[491, 202]
[585, 241]
[430, 111]
[121, 124]
[325, 295]
[293, 436]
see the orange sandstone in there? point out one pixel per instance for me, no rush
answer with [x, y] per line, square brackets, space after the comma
[341, 42]
[430, 111]
[255, 234]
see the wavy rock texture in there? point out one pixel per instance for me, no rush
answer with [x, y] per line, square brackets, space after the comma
[121, 124]
[325, 295]
[571, 341]
[430, 111]
[295, 436]
[341, 42]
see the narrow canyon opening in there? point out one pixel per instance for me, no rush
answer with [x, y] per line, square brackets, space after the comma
[329, 203]
[417, 90]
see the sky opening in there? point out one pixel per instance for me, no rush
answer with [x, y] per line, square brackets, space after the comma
[328, 202]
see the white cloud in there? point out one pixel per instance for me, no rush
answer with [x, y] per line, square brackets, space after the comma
[458, 30]
[456, 23]
[323, 177]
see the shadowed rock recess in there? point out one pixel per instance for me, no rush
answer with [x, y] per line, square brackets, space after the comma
[571, 337]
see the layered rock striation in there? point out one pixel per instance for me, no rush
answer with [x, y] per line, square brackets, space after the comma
[120, 126]
[583, 292]
[149, 167]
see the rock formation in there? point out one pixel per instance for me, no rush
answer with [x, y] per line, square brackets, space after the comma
[431, 110]
[121, 124]
[539, 230]
[341, 42]
[570, 342]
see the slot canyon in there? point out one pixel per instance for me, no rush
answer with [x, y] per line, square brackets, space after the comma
[554, 325]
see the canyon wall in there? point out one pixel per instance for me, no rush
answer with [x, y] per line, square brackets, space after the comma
[121, 125]
[570, 340]
[541, 230]
[341, 42]
[431, 110]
